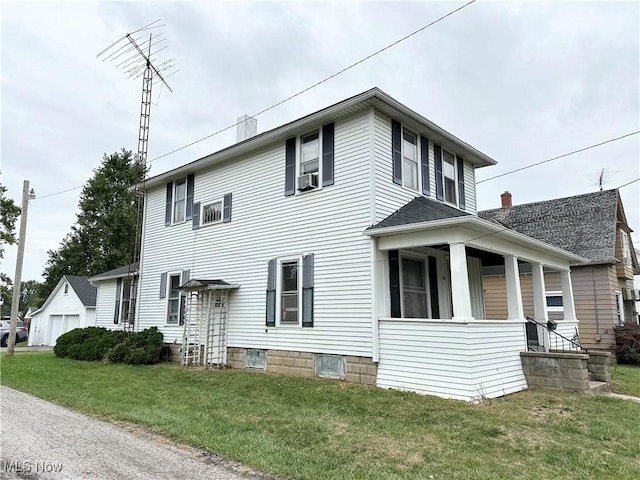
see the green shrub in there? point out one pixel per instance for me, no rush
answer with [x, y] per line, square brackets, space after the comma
[70, 344]
[628, 344]
[97, 343]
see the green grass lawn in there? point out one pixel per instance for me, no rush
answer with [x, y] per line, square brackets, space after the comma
[320, 429]
[625, 379]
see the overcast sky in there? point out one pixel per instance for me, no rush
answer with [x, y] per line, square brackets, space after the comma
[521, 82]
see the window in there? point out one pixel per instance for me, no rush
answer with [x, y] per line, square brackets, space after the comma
[449, 176]
[126, 300]
[212, 213]
[626, 248]
[66, 288]
[290, 289]
[179, 200]
[554, 302]
[620, 307]
[309, 161]
[310, 153]
[414, 289]
[173, 311]
[289, 292]
[410, 160]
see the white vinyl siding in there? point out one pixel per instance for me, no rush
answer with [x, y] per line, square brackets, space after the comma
[269, 225]
[390, 196]
[459, 360]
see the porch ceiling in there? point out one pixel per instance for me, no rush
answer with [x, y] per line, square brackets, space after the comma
[490, 239]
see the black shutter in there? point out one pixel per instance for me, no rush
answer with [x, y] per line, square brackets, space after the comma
[226, 208]
[437, 153]
[307, 290]
[328, 144]
[271, 293]
[195, 218]
[424, 165]
[290, 168]
[163, 285]
[461, 193]
[185, 277]
[396, 151]
[116, 313]
[394, 283]
[433, 288]
[183, 308]
[167, 210]
[190, 179]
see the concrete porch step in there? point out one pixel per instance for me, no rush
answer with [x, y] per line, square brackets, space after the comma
[598, 387]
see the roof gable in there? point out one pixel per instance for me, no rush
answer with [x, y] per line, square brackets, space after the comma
[582, 224]
[85, 291]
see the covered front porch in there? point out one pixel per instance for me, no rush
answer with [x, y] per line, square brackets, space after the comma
[431, 334]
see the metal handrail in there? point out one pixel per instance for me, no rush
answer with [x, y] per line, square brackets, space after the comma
[573, 343]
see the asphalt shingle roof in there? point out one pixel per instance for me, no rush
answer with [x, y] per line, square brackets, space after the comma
[582, 224]
[84, 289]
[420, 209]
[120, 271]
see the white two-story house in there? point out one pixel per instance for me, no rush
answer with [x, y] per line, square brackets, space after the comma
[345, 243]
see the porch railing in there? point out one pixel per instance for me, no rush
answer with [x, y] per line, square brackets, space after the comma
[557, 341]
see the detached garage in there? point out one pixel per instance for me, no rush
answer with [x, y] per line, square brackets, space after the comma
[72, 304]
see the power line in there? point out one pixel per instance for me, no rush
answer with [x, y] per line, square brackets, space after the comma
[40, 197]
[292, 96]
[318, 83]
[559, 156]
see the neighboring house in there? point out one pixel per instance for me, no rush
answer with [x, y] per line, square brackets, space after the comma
[345, 244]
[636, 286]
[593, 226]
[71, 304]
[113, 305]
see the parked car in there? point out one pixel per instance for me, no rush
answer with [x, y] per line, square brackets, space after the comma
[21, 332]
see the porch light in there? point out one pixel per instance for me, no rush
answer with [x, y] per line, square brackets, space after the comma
[552, 325]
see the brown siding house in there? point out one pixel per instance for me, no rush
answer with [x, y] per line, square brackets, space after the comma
[593, 226]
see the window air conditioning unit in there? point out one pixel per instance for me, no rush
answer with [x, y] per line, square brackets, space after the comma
[307, 181]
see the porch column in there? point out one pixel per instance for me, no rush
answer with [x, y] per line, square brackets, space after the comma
[460, 282]
[514, 294]
[567, 295]
[540, 312]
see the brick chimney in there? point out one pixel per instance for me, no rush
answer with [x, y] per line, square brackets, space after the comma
[506, 199]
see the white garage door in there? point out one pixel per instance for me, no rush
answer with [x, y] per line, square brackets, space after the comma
[72, 321]
[56, 328]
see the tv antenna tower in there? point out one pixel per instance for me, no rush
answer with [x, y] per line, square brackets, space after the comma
[139, 58]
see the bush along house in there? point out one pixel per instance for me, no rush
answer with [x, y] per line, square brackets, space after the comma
[343, 244]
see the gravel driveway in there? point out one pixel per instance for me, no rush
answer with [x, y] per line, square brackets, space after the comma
[52, 442]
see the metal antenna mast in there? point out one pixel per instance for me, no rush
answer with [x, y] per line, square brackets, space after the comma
[138, 59]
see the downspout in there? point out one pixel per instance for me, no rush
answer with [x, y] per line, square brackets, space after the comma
[595, 302]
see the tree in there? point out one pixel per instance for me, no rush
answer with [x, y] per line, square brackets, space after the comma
[9, 213]
[6, 292]
[103, 234]
[29, 295]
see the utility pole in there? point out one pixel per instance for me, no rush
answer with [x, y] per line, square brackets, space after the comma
[17, 279]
